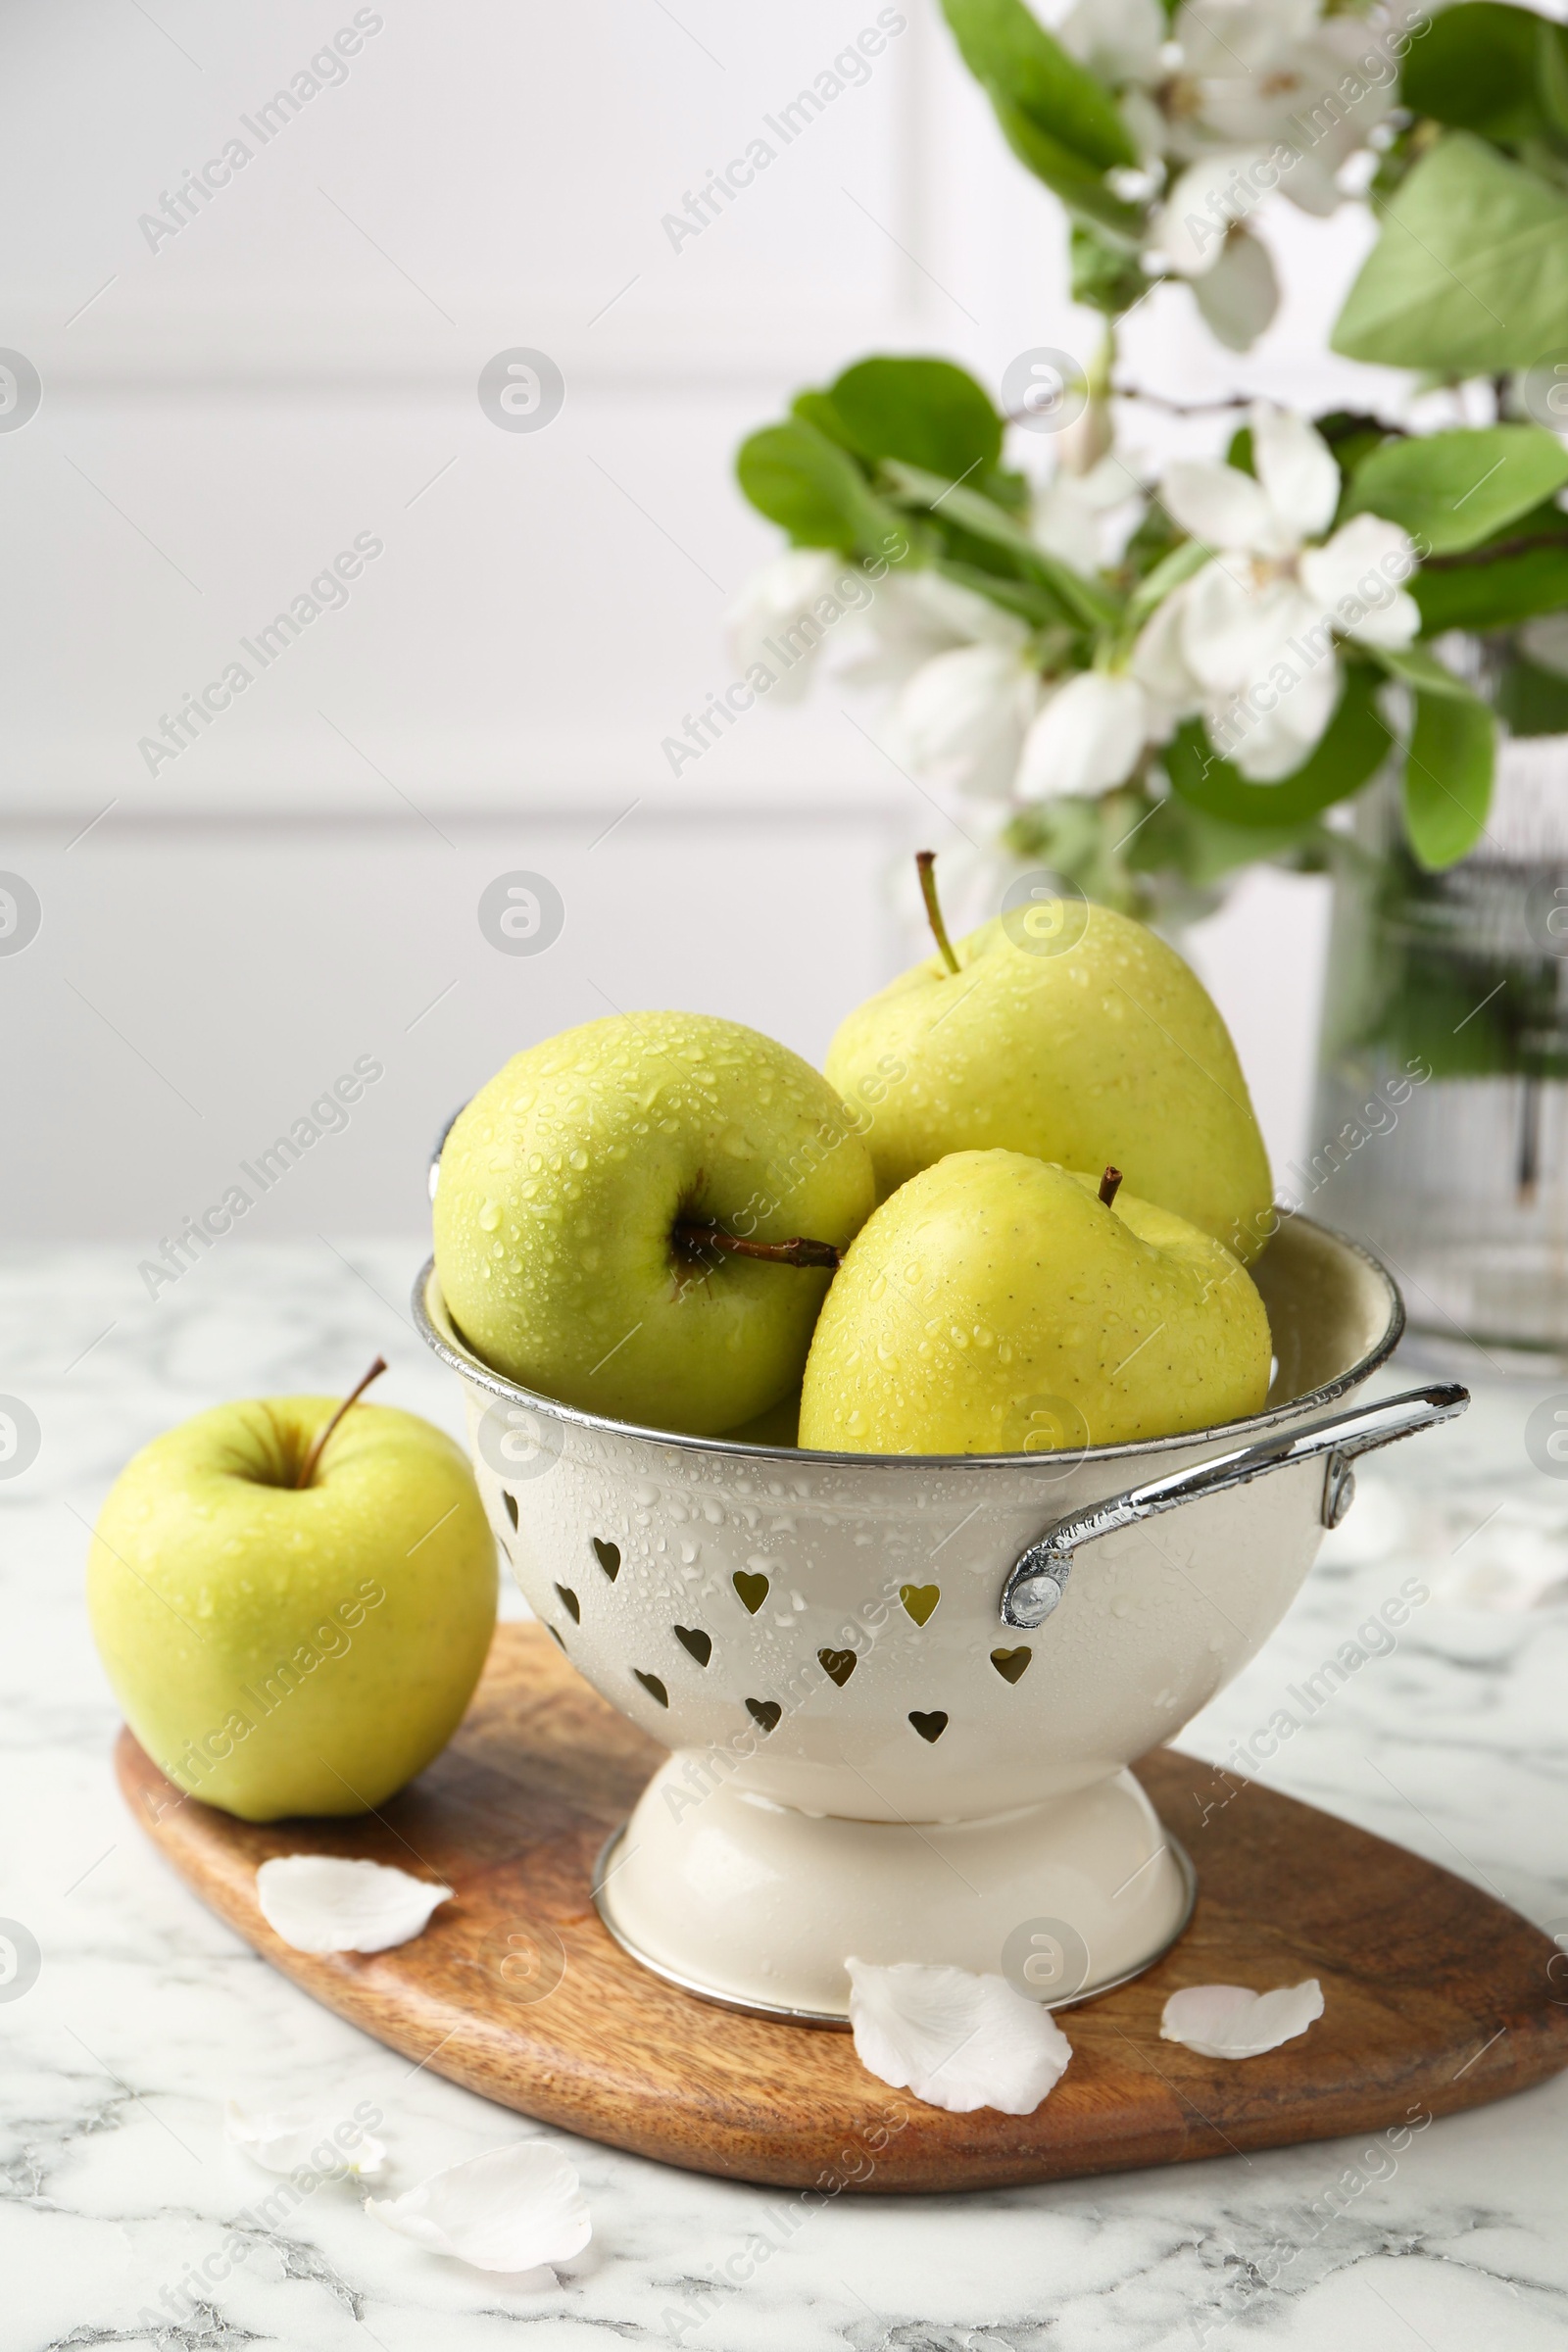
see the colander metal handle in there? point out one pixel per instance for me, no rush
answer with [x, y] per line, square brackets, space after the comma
[1038, 1575]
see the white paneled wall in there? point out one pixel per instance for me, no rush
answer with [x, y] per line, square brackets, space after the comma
[230, 407]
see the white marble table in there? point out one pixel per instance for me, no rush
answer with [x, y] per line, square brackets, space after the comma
[147, 2013]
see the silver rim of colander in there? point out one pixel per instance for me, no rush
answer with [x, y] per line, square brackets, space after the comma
[475, 1369]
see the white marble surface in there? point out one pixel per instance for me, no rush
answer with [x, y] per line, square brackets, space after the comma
[147, 2013]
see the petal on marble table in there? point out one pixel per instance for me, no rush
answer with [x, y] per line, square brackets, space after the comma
[282, 2141]
[514, 2208]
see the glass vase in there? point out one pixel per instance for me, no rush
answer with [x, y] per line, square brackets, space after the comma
[1439, 1133]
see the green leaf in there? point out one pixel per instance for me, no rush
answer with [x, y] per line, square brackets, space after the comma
[1475, 66]
[1470, 272]
[1092, 605]
[1413, 665]
[1105, 275]
[1531, 701]
[1447, 778]
[1352, 747]
[1030, 601]
[816, 409]
[926, 411]
[798, 477]
[1011, 55]
[1552, 77]
[1492, 587]
[1452, 490]
[1080, 185]
[1168, 573]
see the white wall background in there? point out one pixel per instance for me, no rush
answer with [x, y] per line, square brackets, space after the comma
[298, 364]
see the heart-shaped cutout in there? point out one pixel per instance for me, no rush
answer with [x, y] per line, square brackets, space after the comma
[1012, 1664]
[609, 1557]
[510, 1501]
[920, 1600]
[555, 1636]
[656, 1688]
[752, 1590]
[766, 1711]
[692, 1637]
[838, 1664]
[570, 1604]
[930, 1726]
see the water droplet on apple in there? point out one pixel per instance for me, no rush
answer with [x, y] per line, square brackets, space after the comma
[490, 1216]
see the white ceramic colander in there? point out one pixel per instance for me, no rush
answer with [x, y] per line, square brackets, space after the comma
[900, 1713]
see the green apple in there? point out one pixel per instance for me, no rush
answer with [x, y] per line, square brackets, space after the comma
[600, 1203]
[284, 1649]
[1071, 1033]
[778, 1426]
[997, 1305]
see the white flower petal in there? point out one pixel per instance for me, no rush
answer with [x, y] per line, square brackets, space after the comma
[1226, 2021]
[1119, 40]
[1312, 187]
[1089, 736]
[1233, 628]
[1267, 731]
[1240, 295]
[514, 2208]
[961, 717]
[1190, 227]
[1159, 664]
[1222, 506]
[955, 2039]
[1223, 38]
[1297, 468]
[329, 1903]
[1355, 580]
[302, 2136]
[915, 615]
[1066, 523]
[771, 604]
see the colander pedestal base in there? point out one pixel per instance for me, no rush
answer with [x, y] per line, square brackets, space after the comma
[758, 1905]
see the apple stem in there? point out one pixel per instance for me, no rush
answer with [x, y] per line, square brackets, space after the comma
[353, 1397]
[692, 1239]
[926, 860]
[1110, 1185]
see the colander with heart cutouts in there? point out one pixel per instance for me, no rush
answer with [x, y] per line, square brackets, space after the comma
[902, 1695]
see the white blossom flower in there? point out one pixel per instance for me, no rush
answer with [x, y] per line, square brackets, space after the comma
[919, 614]
[1262, 74]
[1250, 639]
[1074, 515]
[1239, 297]
[960, 720]
[1089, 735]
[1121, 41]
[777, 603]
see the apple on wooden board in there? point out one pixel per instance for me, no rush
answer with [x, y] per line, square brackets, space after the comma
[1072, 1033]
[997, 1305]
[640, 1217]
[292, 1627]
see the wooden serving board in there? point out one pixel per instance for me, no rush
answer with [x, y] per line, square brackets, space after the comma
[1437, 1997]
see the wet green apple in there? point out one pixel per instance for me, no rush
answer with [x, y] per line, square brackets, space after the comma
[1074, 1034]
[998, 1306]
[611, 1209]
[279, 1648]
